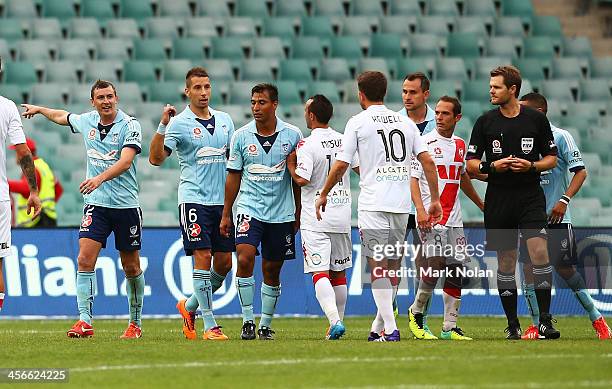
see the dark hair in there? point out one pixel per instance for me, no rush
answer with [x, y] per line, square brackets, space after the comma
[322, 108]
[373, 85]
[271, 89]
[511, 75]
[536, 100]
[101, 84]
[454, 101]
[419, 76]
[198, 71]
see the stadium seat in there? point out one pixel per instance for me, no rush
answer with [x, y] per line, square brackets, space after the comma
[595, 89]
[320, 26]
[216, 8]
[101, 10]
[12, 92]
[228, 48]
[327, 88]
[567, 68]
[188, 48]
[425, 45]
[367, 8]
[409, 65]
[509, 26]
[476, 90]
[350, 91]
[102, 70]
[136, 9]
[51, 95]
[463, 44]
[386, 45]
[219, 70]
[269, 47]
[35, 50]
[47, 28]
[149, 49]
[557, 90]
[601, 67]
[84, 28]
[19, 73]
[12, 29]
[129, 92]
[258, 69]
[472, 109]
[75, 49]
[533, 69]
[252, 8]
[202, 27]
[522, 8]
[295, 70]
[163, 27]
[473, 24]
[240, 92]
[24, 9]
[590, 109]
[451, 68]
[61, 9]
[398, 24]
[307, 47]
[291, 8]
[404, 7]
[114, 49]
[283, 27]
[334, 69]
[546, 25]
[502, 46]
[241, 27]
[444, 87]
[380, 64]
[175, 8]
[483, 66]
[360, 26]
[442, 8]
[394, 93]
[61, 71]
[577, 47]
[122, 28]
[288, 92]
[480, 8]
[342, 113]
[328, 7]
[166, 92]
[538, 47]
[80, 94]
[140, 71]
[438, 25]
[176, 69]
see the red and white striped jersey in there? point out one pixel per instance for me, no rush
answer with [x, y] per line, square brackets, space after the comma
[449, 156]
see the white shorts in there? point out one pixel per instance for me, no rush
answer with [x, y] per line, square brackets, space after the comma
[5, 229]
[324, 251]
[443, 241]
[380, 229]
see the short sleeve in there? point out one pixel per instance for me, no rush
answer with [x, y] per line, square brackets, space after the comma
[305, 161]
[230, 132]
[15, 127]
[349, 142]
[418, 146]
[355, 163]
[235, 161]
[546, 142]
[77, 122]
[569, 151]
[415, 168]
[172, 137]
[476, 147]
[133, 136]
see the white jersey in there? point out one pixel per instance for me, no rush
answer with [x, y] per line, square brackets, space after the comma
[11, 131]
[315, 156]
[384, 141]
[449, 156]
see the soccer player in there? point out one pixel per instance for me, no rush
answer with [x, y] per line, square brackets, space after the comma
[561, 239]
[326, 243]
[200, 135]
[112, 140]
[513, 138]
[447, 237]
[11, 131]
[384, 141]
[267, 206]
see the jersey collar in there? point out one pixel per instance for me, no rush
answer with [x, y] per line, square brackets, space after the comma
[279, 126]
[430, 114]
[121, 116]
[189, 113]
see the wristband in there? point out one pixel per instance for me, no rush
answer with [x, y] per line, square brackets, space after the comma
[485, 168]
[562, 200]
[161, 129]
[566, 198]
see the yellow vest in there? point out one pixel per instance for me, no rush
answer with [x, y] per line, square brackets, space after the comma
[46, 194]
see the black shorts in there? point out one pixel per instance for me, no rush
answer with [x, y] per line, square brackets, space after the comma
[277, 239]
[200, 229]
[508, 210]
[412, 227]
[126, 223]
[561, 246]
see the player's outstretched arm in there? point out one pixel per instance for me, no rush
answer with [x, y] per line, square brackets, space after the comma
[431, 175]
[58, 116]
[291, 165]
[232, 186]
[422, 218]
[470, 191]
[335, 175]
[115, 170]
[24, 156]
[157, 153]
[560, 208]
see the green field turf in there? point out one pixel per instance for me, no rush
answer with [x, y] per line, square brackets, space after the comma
[300, 358]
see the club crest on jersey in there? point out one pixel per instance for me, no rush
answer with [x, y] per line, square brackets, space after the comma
[225, 130]
[526, 145]
[497, 149]
[438, 153]
[115, 138]
[92, 134]
[252, 150]
[285, 147]
[194, 230]
[472, 148]
[197, 132]
[460, 151]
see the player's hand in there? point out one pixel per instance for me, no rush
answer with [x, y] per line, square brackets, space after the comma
[502, 165]
[34, 205]
[422, 219]
[435, 212]
[558, 211]
[520, 165]
[30, 110]
[225, 228]
[167, 113]
[90, 184]
[292, 160]
[320, 206]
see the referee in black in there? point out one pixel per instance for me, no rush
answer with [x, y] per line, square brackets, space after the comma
[518, 144]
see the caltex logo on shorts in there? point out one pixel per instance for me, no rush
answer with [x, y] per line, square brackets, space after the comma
[194, 229]
[86, 222]
[244, 227]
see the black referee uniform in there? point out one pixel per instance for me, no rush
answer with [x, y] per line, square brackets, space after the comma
[513, 201]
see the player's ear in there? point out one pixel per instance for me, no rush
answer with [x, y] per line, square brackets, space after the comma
[458, 117]
[426, 94]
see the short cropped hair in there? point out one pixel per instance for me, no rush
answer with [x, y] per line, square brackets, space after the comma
[511, 75]
[454, 101]
[101, 84]
[536, 100]
[198, 71]
[419, 76]
[271, 89]
[373, 85]
[322, 108]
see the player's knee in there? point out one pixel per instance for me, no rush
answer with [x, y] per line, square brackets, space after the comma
[245, 262]
[539, 255]
[131, 269]
[86, 262]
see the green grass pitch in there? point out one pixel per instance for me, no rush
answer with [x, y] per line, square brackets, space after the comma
[300, 358]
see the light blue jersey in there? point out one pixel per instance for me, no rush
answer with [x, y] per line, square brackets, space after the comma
[555, 181]
[265, 190]
[104, 145]
[427, 125]
[201, 146]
